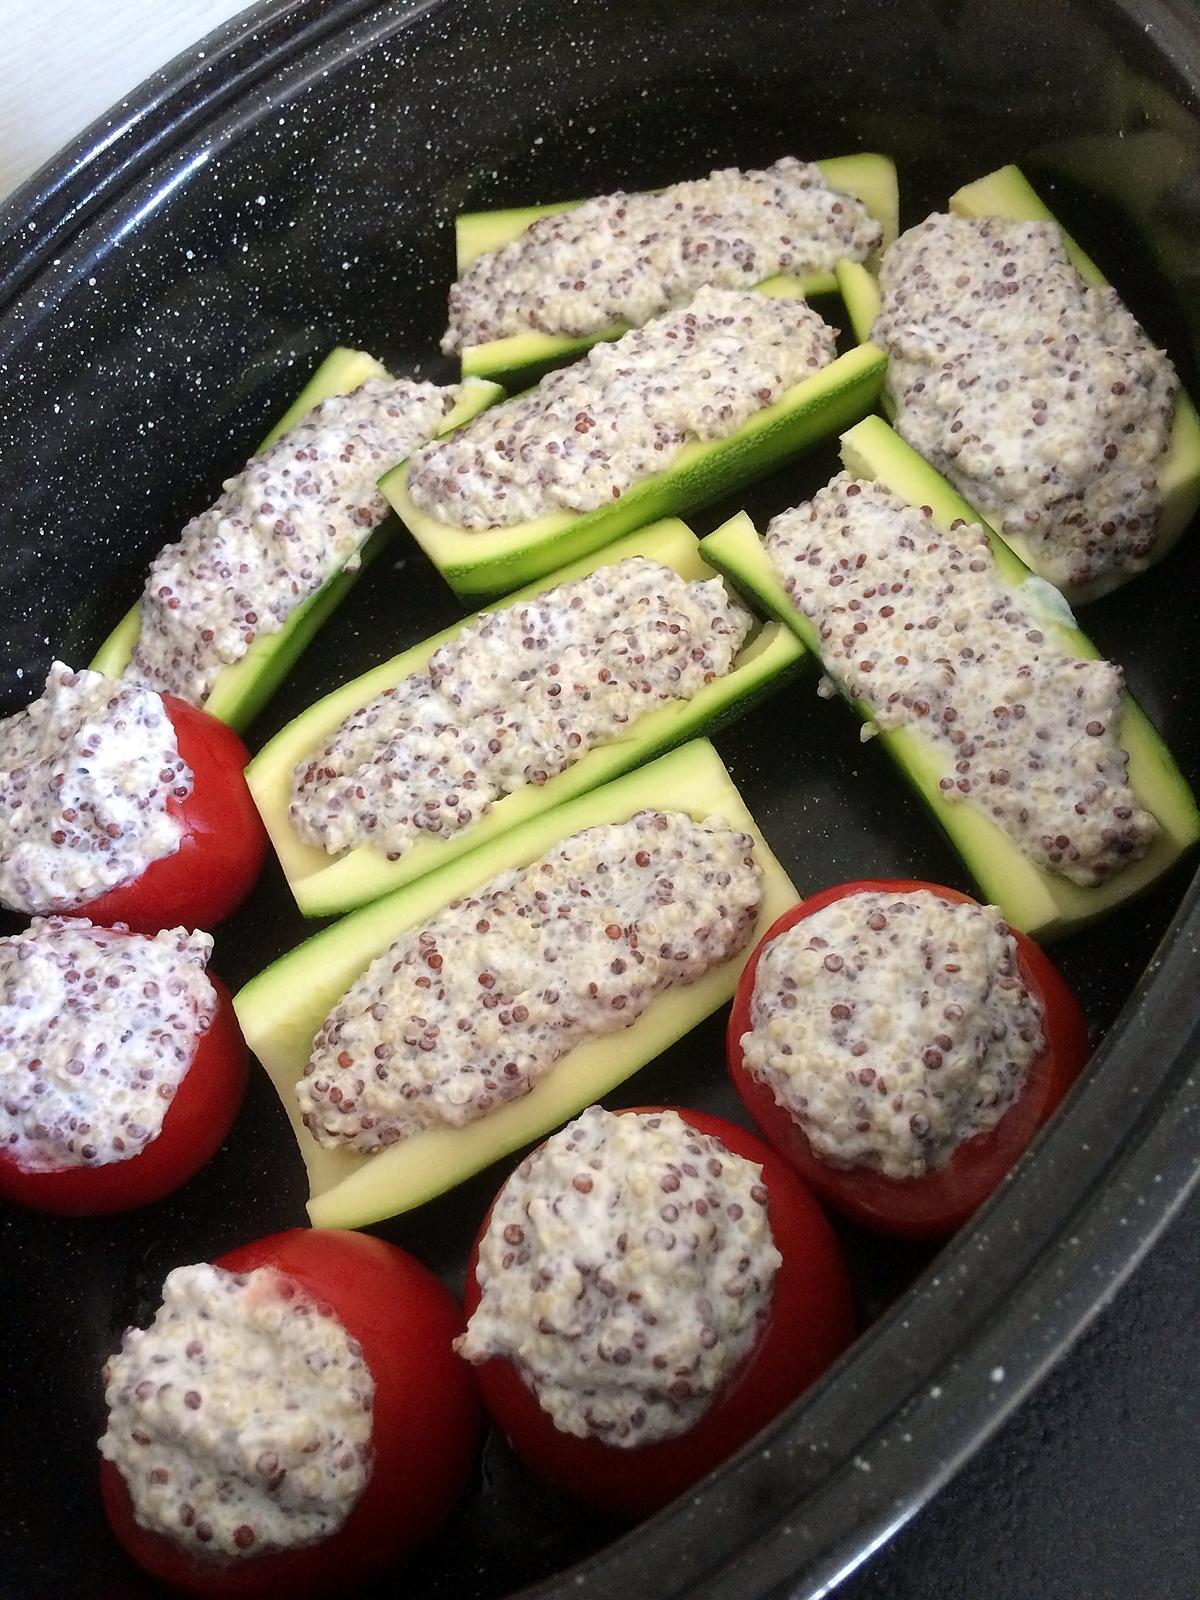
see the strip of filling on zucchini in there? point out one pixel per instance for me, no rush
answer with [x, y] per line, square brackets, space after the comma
[1018, 373]
[540, 285]
[671, 415]
[226, 609]
[1040, 766]
[509, 713]
[431, 1033]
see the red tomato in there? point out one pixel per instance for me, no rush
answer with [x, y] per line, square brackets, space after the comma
[197, 1120]
[423, 1431]
[809, 1323]
[223, 843]
[933, 1206]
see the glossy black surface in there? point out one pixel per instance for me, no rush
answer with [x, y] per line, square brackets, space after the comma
[291, 201]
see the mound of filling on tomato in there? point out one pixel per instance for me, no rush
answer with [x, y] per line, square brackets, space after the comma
[515, 698]
[240, 1419]
[623, 258]
[626, 1270]
[296, 515]
[470, 1010]
[1039, 397]
[893, 1028]
[97, 1030]
[587, 434]
[917, 622]
[85, 775]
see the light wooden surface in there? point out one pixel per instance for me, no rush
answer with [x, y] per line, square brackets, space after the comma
[63, 63]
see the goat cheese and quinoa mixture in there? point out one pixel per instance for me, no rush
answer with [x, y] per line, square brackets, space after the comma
[240, 1419]
[588, 433]
[916, 622]
[98, 1028]
[1039, 397]
[627, 1271]
[517, 697]
[893, 1028]
[290, 520]
[470, 1010]
[86, 772]
[624, 258]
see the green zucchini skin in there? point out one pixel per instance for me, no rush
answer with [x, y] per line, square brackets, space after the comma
[521, 359]
[324, 885]
[488, 563]
[1039, 903]
[1007, 193]
[281, 1010]
[243, 689]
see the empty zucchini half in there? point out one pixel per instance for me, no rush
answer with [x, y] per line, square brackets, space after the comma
[521, 358]
[491, 561]
[242, 689]
[326, 885]
[1038, 902]
[282, 1009]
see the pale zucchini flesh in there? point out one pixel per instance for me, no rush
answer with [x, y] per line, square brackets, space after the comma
[281, 1010]
[496, 561]
[243, 688]
[1040, 903]
[1008, 193]
[324, 885]
[520, 358]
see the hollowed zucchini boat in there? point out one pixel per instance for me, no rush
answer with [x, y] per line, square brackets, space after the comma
[281, 1010]
[242, 689]
[523, 357]
[1038, 902]
[1008, 193]
[495, 561]
[326, 885]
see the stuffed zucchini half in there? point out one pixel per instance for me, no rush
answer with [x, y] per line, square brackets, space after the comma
[522, 358]
[1040, 903]
[242, 689]
[282, 1010]
[1007, 193]
[485, 562]
[326, 885]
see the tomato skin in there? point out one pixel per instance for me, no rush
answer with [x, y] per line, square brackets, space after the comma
[810, 1322]
[194, 1128]
[933, 1206]
[223, 844]
[424, 1429]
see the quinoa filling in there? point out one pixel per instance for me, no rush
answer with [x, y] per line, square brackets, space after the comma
[468, 1012]
[290, 520]
[627, 1270]
[918, 624]
[588, 433]
[240, 1419]
[893, 1028]
[1039, 397]
[86, 774]
[517, 697]
[624, 258]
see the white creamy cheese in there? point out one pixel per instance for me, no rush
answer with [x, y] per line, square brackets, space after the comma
[626, 1271]
[624, 258]
[519, 696]
[98, 1028]
[1041, 399]
[893, 1028]
[469, 1011]
[240, 1419]
[86, 772]
[293, 517]
[919, 624]
[588, 433]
